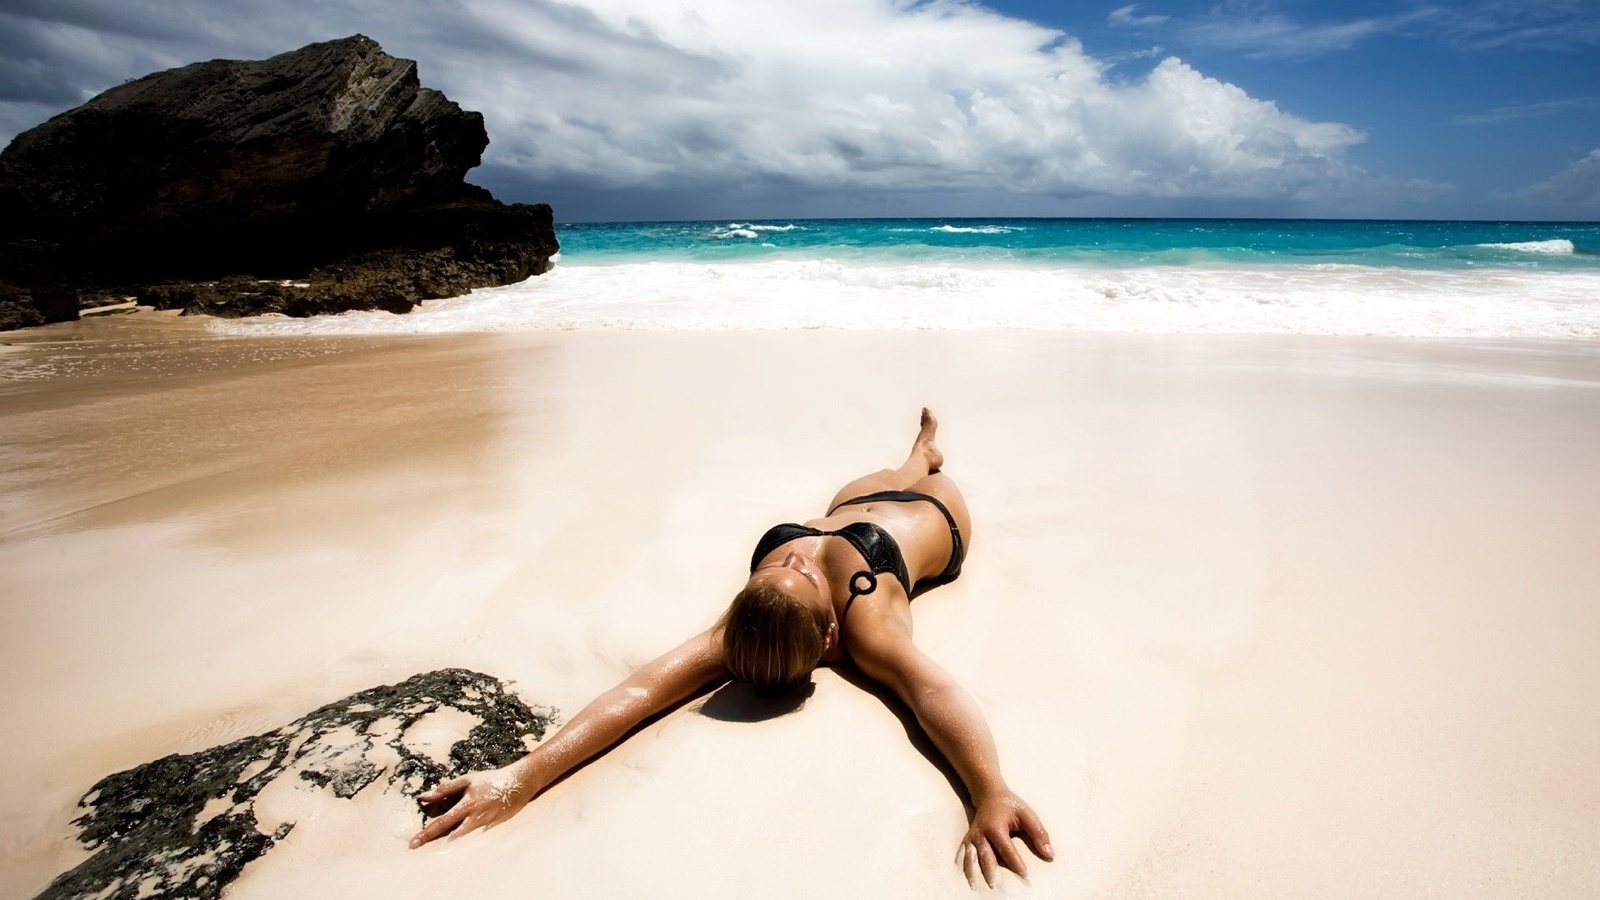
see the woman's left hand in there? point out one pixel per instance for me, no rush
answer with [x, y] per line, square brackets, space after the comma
[988, 844]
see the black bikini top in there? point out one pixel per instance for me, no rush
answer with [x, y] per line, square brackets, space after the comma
[872, 542]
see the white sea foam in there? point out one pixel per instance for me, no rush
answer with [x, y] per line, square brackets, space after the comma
[749, 230]
[1558, 245]
[975, 229]
[788, 294]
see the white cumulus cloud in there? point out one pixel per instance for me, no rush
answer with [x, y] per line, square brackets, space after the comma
[875, 95]
[832, 95]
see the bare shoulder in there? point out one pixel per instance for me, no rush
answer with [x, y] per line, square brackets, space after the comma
[878, 637]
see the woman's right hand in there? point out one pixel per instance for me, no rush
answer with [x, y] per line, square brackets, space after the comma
[485, 798]
[988, 845]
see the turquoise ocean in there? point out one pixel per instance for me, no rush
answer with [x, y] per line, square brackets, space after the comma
[1096, 242]
[1455, 279]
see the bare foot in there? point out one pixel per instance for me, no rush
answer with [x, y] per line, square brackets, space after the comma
[925, 445]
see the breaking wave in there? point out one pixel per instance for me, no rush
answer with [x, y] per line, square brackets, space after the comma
[824, 293]
[1559, 245]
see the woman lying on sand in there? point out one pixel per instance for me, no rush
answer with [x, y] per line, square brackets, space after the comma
[834, 590]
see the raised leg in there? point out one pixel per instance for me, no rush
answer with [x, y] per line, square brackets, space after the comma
[924, 459]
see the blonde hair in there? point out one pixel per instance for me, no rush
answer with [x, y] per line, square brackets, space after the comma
[770, 639]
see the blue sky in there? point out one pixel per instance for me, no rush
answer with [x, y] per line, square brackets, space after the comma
[639, 109]
[1488, 97]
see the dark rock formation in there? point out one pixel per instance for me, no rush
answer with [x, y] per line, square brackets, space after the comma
[185, 826]
[391, 280]
[270, 169]
[36, 305]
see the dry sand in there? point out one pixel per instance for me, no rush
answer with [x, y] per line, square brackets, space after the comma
[1250, 616]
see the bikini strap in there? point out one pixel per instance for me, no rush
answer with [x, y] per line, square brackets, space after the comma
[857, 590]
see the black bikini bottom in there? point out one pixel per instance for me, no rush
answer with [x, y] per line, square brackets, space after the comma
[952, 569]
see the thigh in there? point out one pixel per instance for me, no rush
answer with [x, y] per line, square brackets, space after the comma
[886, 480]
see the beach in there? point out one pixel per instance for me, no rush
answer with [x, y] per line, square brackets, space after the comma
[1250, 615]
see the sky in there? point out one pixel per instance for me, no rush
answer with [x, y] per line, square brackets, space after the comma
[616, 110]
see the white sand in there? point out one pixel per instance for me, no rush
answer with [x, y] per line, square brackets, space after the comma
[1250, 616]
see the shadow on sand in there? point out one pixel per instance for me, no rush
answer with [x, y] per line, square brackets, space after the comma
[737, 701]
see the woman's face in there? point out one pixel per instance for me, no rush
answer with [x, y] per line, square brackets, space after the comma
[801, 578]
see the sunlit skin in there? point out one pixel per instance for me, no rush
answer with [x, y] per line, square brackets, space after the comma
[875, 639]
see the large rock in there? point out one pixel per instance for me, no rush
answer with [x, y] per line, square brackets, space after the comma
[266, 169]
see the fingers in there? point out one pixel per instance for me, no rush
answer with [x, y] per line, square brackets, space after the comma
[439, 827]
[968, 854]
[986, 862]
[1033, 832]
[444, 790]
[482, 818]
[1007, 851]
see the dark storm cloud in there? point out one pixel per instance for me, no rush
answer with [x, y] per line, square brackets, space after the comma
[30, 74]
[58, 54]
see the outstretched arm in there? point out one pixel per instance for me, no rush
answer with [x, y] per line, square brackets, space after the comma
[489, 797]
[881, 646]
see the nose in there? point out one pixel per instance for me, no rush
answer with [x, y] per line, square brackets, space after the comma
[793, 560]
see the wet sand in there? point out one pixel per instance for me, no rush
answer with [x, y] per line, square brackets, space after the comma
[1250, 616]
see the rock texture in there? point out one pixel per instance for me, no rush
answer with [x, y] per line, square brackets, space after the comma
[329, 163]
[185, 826]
